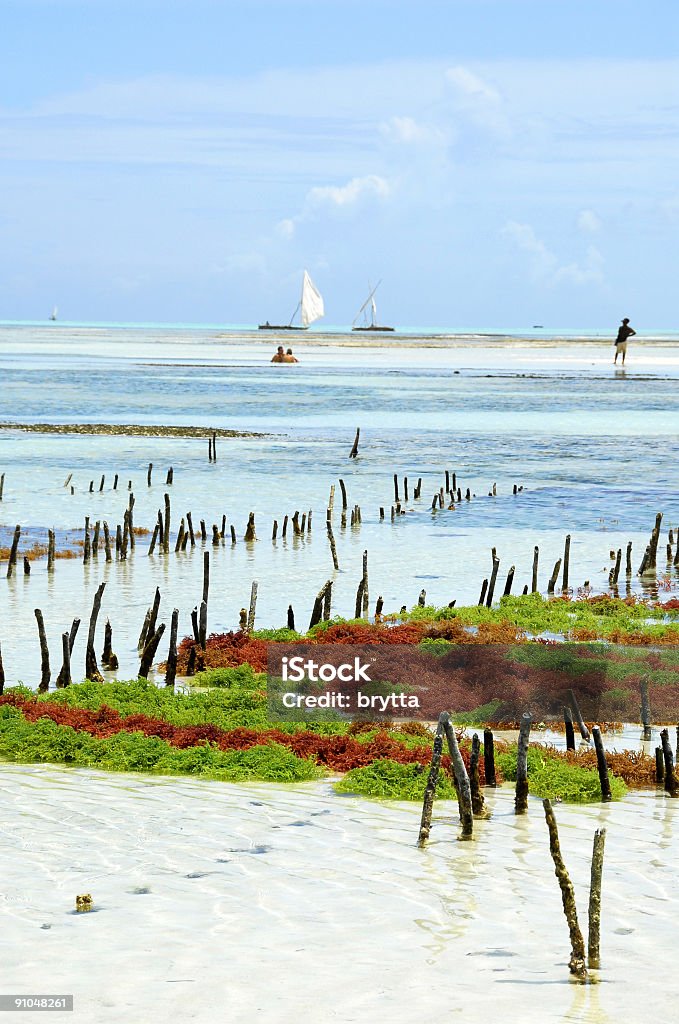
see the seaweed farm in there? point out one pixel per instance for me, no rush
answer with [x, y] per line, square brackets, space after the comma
[491, 526]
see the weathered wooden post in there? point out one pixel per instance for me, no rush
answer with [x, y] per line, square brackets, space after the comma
[489, 758]
[670, 778]
[150, 651]
[584, 731]
[354, 449]
[45, 673]
[474, 783]
[553, 578]
[594, 916]
[253, 606]
[508, 584]
[170, 477]
[645, 709]
[2, 485]
[64, 677]
[365, 599]
[327, 602]
[250, 534]
[534, 583]
[189, 523]
[51, 549]
[27, 566]
[482, 597]
[13, 551]
[430, 788]
[602, 766]
[166, 526]
[148, 475]
[659, 766]
[570, 732]
[91, 668]
[171, 670]
[130, 521]
[566, 562]
[491, 585]
[2, 673]
[521, 795]
[576, 964]
[331, 539]
[461, 778]
[291, 617]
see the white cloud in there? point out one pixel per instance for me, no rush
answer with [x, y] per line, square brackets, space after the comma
[350, 194]
[469, 84]
[545, 266]
[411, 132]
[286, 228]
[588, 222]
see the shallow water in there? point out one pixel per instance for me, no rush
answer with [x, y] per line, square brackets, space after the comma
[296, 904]
[593, 448]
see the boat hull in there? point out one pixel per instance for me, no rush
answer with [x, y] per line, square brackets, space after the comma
[280, 327]
[373, 328]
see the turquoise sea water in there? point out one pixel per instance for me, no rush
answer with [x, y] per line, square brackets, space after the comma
[592, 445]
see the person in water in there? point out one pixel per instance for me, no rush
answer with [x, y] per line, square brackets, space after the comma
[280, 355]
[289, 358]
[624, 332]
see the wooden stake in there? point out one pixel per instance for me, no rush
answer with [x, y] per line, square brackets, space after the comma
[602, 766]
[13, 551]
[489, 758]
[430, 788]
[584, 731]
[593, 951]
[51, 549]
[354, 450]
[474, 783]
[171, 670]
[291, 617]
[553, 578]
[566, 562]
[671, 785]
[491, 585]
[521, 795]
[45, 673]
[534, 583]
[166, 526]
[508, 584]
[645, 709]
[253, 606]
[91, 668]
[250, 534]
[576, 963]
[570, 732]
[150, 651]
[461, 778]
[64, 677]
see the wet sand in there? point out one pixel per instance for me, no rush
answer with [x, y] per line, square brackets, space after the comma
[293, 904]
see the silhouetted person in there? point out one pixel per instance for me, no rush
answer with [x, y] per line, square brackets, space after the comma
[280, 355]
[624, 332]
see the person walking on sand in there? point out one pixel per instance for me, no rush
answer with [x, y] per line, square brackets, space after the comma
[280, 355]
[624, 332]
[289, 358]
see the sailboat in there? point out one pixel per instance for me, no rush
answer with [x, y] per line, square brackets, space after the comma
[53, 314]
[372, 325]
[310, 308]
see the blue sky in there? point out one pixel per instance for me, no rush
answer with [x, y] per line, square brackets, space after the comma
[497, 163]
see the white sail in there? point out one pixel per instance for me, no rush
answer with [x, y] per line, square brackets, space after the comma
[370, 301]
[312, 302]
[53, 314]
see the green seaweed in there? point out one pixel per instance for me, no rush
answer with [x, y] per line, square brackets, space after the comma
[387, 780]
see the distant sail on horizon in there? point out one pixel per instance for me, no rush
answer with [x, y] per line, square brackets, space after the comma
[312, 307]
